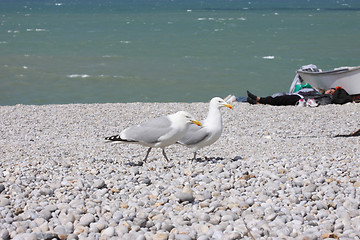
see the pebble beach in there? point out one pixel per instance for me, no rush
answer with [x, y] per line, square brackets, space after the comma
[275, 173]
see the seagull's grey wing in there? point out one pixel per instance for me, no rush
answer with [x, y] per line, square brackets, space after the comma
[148, 132]
[194, 135]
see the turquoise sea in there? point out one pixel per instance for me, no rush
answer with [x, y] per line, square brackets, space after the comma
[97, 51]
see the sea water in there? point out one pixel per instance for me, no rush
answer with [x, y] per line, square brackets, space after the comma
[97, 51]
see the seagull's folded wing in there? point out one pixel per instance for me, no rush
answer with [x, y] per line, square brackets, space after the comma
[194, 135]
[148, 132]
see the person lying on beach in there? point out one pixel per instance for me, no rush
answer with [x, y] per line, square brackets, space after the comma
[304, 97]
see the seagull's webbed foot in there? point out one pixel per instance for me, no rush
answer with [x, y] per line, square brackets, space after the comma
[194, 158]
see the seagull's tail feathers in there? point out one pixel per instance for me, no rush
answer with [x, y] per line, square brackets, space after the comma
[180, 142]
[117, 138]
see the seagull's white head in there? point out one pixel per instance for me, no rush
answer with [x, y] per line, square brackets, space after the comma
[219, 102]
[186, 117]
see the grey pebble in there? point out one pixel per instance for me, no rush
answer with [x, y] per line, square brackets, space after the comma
[108, 232]
[46, 191]
[182, 237]
[45, 214]
[4, 202]
[26, 236]
[4, 234]
[185, 197]
[86, 219]
[203, 237]
[2, 188]
[99, 183]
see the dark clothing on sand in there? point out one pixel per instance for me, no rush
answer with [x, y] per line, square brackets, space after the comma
[283, 100]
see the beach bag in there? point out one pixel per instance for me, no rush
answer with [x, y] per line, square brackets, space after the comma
[340, 96]
[321, 99]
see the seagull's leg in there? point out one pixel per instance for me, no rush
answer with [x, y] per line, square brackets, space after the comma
[194, 158]
[163, 151]
[147, 154]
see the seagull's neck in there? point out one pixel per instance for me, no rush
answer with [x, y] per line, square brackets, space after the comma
[213, 118]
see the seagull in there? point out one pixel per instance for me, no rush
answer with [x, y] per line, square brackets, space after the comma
[198, 137]
[159, 132]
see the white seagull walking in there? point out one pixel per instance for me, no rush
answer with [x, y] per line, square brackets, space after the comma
[159, 132]
[198, 137]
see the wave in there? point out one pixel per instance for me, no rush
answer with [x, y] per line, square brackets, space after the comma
[93, 76]
[36, 30]
[268, 57]
[344, 7]
[221, 19]
[78, 76]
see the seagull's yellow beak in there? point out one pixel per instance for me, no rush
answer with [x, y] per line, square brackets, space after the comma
[228, 105]
[196, 122]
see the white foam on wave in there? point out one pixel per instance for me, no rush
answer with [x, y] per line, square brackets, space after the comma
[268, 57]
[36, 30]
[97, 76]
[59, 4]
[3, 42]
[220, 19]
[78, 76]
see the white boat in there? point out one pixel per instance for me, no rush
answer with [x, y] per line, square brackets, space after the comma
[345, 77]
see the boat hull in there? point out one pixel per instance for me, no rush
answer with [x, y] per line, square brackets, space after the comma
[347, 78]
